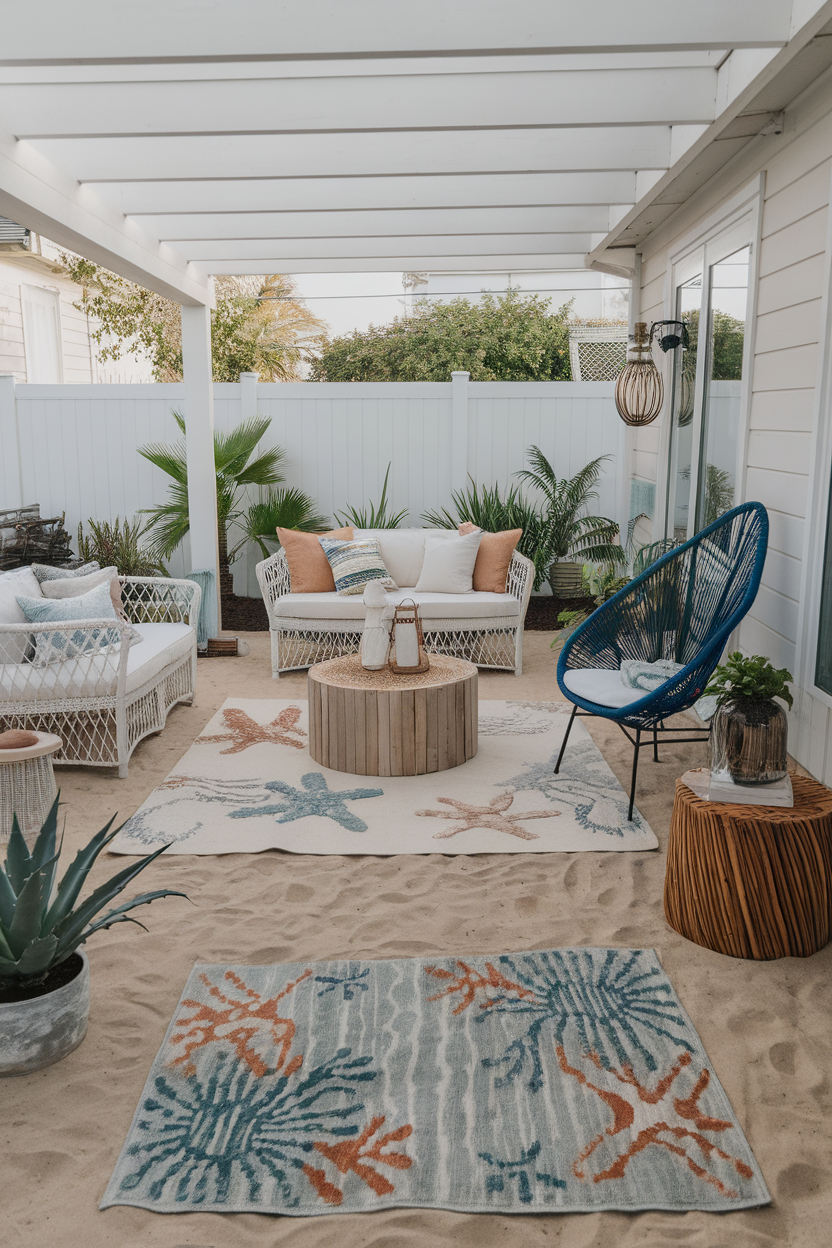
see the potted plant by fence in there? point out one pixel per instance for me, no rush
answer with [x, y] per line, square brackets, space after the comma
[573, 538]
[749, 730]
[44, 974]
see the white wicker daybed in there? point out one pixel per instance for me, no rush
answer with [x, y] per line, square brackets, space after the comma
[103, 699]
[485, 628]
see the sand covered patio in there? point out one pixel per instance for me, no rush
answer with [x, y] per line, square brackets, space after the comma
[764, 1024]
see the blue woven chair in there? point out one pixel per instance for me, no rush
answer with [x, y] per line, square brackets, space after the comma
[683, 608]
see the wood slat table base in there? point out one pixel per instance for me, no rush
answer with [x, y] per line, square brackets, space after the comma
[403, 729]
[752, 881]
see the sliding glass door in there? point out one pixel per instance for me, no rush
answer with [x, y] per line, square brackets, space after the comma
[711, 289]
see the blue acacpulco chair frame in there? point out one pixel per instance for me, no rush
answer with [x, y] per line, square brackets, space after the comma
[684, 607]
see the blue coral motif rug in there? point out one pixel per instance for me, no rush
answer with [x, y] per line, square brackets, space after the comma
[248, 784]
[567, 1080]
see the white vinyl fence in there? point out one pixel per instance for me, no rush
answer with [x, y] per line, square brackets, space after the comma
[73, 448]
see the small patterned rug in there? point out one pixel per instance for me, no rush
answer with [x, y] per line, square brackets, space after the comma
[557, 1081]
[248, 784]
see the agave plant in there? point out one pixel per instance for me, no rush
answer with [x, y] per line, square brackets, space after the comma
[41, 925]
[572, 535]
[378, 517]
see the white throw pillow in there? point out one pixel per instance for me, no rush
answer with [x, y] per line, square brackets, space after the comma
[448, 566]
[74, 586]
[14, 649]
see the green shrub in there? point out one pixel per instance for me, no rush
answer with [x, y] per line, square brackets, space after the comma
[118, 544]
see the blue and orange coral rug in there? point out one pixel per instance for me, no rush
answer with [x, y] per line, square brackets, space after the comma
[248, 784]
[552, 1081]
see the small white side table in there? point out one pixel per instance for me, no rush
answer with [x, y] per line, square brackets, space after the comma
[27, 785]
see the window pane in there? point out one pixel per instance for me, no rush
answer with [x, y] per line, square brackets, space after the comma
[688, 298]
[723, 387]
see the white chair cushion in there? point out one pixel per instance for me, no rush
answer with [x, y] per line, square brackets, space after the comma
[333, 606]
[601, 685]
[449, 564]
[94, 675]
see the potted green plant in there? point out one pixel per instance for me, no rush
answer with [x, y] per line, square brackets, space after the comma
[573, 538]
[749, 730]
[44, 973]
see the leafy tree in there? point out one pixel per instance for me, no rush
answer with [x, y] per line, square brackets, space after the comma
[259, 325]
[236, 470]
[509, 337]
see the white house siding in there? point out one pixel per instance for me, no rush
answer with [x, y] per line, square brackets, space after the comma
[782, 438]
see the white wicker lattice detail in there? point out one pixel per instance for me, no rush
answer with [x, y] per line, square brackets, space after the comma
[27, 789]
[493, 641]
[597, 352]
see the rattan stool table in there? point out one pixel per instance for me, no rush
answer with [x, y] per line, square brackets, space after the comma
[381, 724]
[27, 785]
[752, 881]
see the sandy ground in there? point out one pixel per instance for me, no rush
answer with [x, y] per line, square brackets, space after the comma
[766, 1026]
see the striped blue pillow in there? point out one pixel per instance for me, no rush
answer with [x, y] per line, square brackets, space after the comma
[354, 564]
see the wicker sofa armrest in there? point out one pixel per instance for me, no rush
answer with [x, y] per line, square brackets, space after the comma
[519, 581]
[273, 579]
[87, 659]
[160, 600]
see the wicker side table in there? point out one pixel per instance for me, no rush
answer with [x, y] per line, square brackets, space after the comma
[752, 881]
[27, 785]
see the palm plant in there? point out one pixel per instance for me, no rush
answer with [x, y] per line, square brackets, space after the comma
[378, 517]
[40, 925]
[585, 539]
[279, 509]
[236, 471]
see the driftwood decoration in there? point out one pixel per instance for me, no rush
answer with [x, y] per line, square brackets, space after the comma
[25, 537]
[752, 881]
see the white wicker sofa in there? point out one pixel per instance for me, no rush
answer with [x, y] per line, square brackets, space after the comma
[485, 628]
[104, 699]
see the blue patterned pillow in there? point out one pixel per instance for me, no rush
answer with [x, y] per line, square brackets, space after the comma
[54, 647]
[354, 564]
[45, 571]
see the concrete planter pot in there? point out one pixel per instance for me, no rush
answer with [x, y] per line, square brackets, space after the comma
[566, 578]
[43, 1030]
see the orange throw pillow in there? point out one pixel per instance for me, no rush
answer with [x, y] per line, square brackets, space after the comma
[309, 570]
[493, 558]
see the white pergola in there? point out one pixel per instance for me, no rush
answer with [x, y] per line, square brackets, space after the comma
[178, 139]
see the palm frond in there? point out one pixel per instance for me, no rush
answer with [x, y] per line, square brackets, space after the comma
[280, 509]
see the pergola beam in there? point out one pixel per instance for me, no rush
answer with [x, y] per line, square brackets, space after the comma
[378, 103]
[41, 197]
[513, 262]
[176, 30]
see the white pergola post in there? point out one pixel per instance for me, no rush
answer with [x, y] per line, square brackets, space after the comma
[199, 421]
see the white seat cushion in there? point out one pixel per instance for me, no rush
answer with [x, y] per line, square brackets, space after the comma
[94, 675]
[334, 606]
[161, 644]
[601, 685]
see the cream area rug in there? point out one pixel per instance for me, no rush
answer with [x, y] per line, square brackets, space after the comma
[248, 784]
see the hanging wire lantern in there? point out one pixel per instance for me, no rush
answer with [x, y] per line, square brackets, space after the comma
[639, 390]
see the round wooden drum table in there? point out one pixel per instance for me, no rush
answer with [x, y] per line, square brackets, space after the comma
[752, 881]
[380, 724]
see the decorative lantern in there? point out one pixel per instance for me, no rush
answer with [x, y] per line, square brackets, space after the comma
[408, 638]
[639, 390]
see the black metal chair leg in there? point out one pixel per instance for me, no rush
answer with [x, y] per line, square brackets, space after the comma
[565, 739]
[635, 773]
[655, 745]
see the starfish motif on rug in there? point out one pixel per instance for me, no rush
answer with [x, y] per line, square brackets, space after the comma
[490, 816]
[243, 731]
[315, 798]
[675, 1124]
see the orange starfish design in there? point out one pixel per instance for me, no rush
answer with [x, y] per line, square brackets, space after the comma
[238, 1024]
[490, 816]
[678, 1125]
[244, 731]
[469, 982]
[349, 1155]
